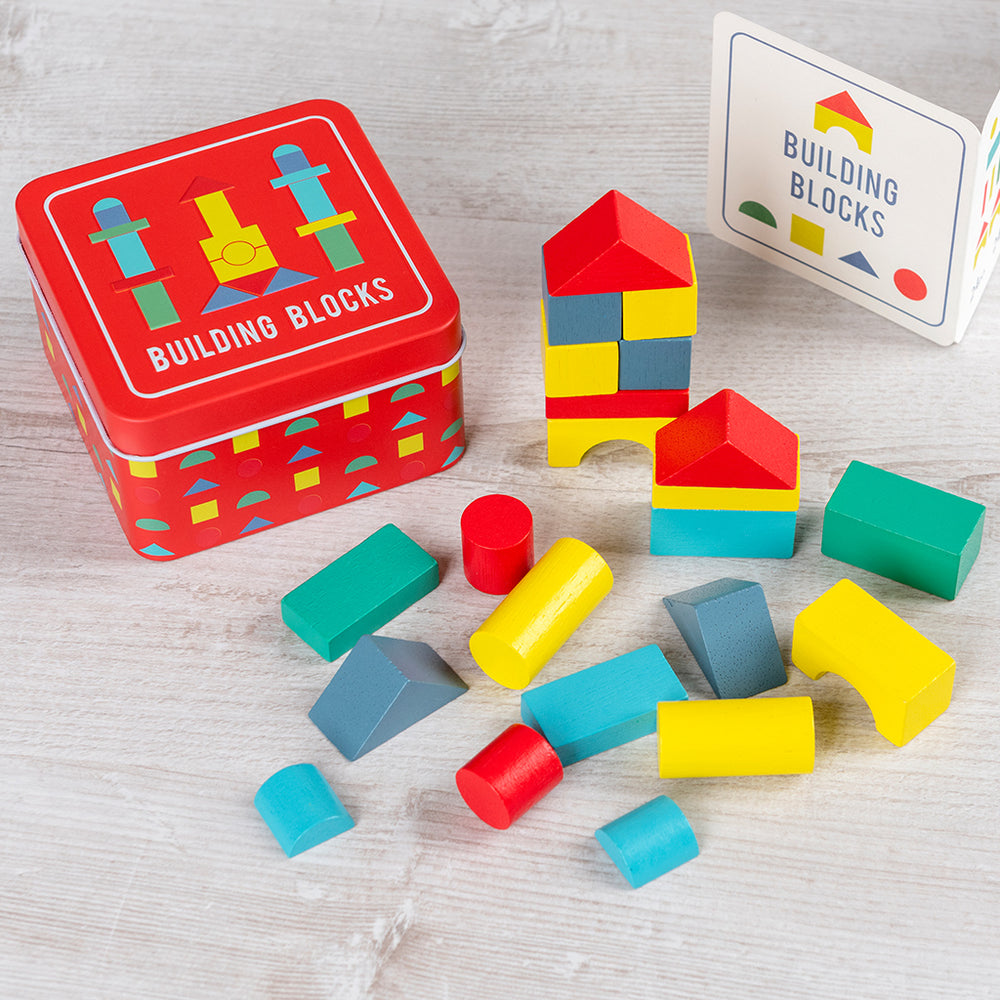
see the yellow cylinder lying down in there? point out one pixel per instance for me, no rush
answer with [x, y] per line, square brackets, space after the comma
[730, 736]
[541, 613]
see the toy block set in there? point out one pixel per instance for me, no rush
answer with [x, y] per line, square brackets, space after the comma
[619, 313]
[247, 325]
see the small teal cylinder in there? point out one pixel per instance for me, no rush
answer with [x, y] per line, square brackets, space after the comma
[301, 809]
[649, 841]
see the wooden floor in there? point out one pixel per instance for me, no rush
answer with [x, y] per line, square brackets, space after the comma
[142, 704]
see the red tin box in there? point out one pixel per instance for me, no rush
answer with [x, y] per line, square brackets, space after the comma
[247, 325]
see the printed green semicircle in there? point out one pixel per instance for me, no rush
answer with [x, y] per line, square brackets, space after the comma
[196, 458]
[302, 424]
[363, 462]
[405, 391]
[257, 496]
[452, 429]
[757, 211]
[151, 524]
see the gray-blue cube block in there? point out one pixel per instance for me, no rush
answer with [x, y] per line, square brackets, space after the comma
[383, 686]
[664, 363]
[602, 706]
[582, 319]
[728, 629]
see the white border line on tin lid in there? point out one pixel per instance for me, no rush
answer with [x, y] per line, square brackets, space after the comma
[261, 361]
[194, 446]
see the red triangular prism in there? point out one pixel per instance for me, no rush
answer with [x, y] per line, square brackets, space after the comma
[201, 186]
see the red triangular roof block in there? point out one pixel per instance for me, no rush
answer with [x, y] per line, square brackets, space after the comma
[843, 104]
[201, 186]
[727, 441]
[616, 245]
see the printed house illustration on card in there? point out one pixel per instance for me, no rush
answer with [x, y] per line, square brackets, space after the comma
[851, 183]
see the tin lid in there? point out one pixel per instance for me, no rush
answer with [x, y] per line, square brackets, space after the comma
[229, 276]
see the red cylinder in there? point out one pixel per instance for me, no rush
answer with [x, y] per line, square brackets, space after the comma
[505, 779]
[498, 545]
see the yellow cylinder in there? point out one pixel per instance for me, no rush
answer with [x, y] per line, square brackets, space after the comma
[541, 613]
[702, 739]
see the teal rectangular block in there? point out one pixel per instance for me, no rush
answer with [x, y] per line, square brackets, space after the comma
[603, 706]
[901, 529]
[360, 592]
[767, 534]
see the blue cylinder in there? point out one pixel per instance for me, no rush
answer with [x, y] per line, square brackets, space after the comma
[301, 808]
[649, 841]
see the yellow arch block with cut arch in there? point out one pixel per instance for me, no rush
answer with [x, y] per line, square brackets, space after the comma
[905, 679]
[569, 439]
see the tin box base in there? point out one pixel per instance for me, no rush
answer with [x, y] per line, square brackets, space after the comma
[173, 505]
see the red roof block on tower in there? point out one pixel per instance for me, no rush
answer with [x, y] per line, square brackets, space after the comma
[616, 245]
[727, 441]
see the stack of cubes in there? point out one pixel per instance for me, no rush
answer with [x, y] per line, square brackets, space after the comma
[619, 311]
[725, 482]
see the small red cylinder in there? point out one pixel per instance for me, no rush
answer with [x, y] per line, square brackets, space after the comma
[505, 779]
[498, 545]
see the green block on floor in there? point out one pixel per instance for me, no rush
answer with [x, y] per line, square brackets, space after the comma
[360, 592]
[901, 529]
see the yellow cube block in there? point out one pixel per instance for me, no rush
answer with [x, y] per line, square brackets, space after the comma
[905, 679]
[579, 369]
[655, 313]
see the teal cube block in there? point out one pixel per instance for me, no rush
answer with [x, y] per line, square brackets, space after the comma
[764, 534]
[901, 529]
[602, 706]
[360, 592]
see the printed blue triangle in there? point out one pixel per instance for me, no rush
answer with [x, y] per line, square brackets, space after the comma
[860, 261]
[410, 419]
[201, 486]
[287, 278]
[361, 489]
[224, 296]
[454, 456]
[304, 452]
[255, 524]
[156, 550]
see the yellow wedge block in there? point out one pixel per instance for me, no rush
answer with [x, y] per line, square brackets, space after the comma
[731, 736]
[579, 369]
[570, 439]
[905, 679]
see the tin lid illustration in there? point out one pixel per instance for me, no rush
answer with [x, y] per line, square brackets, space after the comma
[226, 277]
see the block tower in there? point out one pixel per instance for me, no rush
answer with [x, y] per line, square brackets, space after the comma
[619, 311]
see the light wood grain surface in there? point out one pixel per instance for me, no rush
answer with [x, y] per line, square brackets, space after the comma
[143, 704]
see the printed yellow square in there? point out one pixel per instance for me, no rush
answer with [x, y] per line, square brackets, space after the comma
[807, 234]
[142, 470]
[307, 478]
[206, 511]
[114, 492]
[450, 373]
[246, 442]
[356, 406]
[410, 445]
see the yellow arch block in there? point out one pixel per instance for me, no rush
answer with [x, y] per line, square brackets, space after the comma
[725, 498]
[905, 679]
[734, 736]
[570, 439]
[541, 613]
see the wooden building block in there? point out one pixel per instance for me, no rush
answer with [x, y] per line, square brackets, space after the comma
[663, 403]
[579, 369]
[905, 679]
[582, 319]
[616, 245]
[727, 441]
[727, 626]
[649, 841]
[702, 739]
[507, 777]
[498, 544]
[726, 497]
[383, 686]
[650, 313]
[359, 592]
[301, 808]
[909, 532]
[569, 440]
[759, 534]
[655, 364]
[602, 706]
[541, 613]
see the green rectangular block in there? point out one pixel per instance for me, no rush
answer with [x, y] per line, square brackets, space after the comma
[359, 592]
[901, 529]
